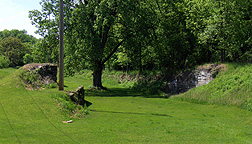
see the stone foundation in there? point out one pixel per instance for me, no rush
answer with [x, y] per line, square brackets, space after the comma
[45, 74]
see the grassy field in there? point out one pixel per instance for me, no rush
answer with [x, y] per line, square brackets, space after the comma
[118, 115]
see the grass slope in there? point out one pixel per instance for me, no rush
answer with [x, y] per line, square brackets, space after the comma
[233, 87]
[34, 117]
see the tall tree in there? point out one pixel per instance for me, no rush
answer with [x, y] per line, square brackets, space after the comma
[94, 30]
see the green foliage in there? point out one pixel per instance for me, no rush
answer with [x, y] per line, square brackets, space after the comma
[169, 36]
[20, 34]
[27, 59]
[45, 51]
[94, 29]
[51, 85]
[4, 62]
[13, 49]
[69, 108]
[30, 79]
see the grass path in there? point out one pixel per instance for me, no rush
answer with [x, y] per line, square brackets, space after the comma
[34, 117]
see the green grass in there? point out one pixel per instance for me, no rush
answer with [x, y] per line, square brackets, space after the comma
[232, 88]
[6, 71]
[116, 116]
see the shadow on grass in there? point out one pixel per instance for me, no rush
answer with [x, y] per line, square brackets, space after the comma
[119, 92]
[133, 113]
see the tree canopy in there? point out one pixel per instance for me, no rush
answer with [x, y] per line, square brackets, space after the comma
[166, 35]
[14, 44]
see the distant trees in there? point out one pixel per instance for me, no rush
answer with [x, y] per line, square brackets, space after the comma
[14, 44]
[20, 34]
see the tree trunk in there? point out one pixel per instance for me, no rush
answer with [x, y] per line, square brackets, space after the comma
[97, 76]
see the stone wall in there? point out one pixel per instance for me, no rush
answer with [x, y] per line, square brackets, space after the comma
[45, 73]
[200, 76]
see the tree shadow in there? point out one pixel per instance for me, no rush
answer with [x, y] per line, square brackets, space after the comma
[119, 92]
[132, 113]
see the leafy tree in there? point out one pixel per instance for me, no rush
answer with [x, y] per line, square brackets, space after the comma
[94, 29]
[169, 35]
[20, 34]
[13, 49]
[223, 28]
[45, 51]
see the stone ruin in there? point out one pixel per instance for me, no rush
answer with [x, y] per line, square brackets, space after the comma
[45, 73]
[200, 76]
[78, 97]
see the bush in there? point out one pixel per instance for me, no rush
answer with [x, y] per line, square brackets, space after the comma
[27, 58]
[68, 107]
[14, 49]
[4, 62]
[30, 79]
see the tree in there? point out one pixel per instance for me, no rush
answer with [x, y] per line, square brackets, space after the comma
[227, 29]
[13, 49]
[94, 30]
[20, 34]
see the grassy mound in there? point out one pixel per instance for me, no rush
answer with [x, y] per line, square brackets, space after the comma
[233, 87]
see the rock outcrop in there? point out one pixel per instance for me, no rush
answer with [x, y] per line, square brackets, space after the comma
[200, 76]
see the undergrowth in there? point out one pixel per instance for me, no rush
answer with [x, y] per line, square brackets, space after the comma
[150, 83]
[69, 108]
[32, 80]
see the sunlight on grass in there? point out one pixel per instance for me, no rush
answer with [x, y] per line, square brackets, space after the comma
[232, 88]
[116, 116]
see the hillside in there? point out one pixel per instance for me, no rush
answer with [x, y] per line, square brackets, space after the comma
[233, 87]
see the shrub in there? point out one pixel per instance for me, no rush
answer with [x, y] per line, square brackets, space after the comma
[27, 58]
[68, 107]
[30, 79]
[4, 62]
[14, 49]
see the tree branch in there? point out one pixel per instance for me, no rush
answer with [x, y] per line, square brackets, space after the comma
[115, 49]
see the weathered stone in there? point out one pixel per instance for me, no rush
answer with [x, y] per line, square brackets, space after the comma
[79, 92]
[78, 97]
[198, 77]
[46, 73]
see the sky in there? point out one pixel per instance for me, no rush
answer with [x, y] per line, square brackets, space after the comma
[14, 15]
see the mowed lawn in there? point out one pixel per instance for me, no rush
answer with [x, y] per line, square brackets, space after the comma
[34, 117]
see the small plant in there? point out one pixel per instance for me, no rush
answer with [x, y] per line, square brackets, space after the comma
[51, 85]
[68, 107]
[248, 104]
